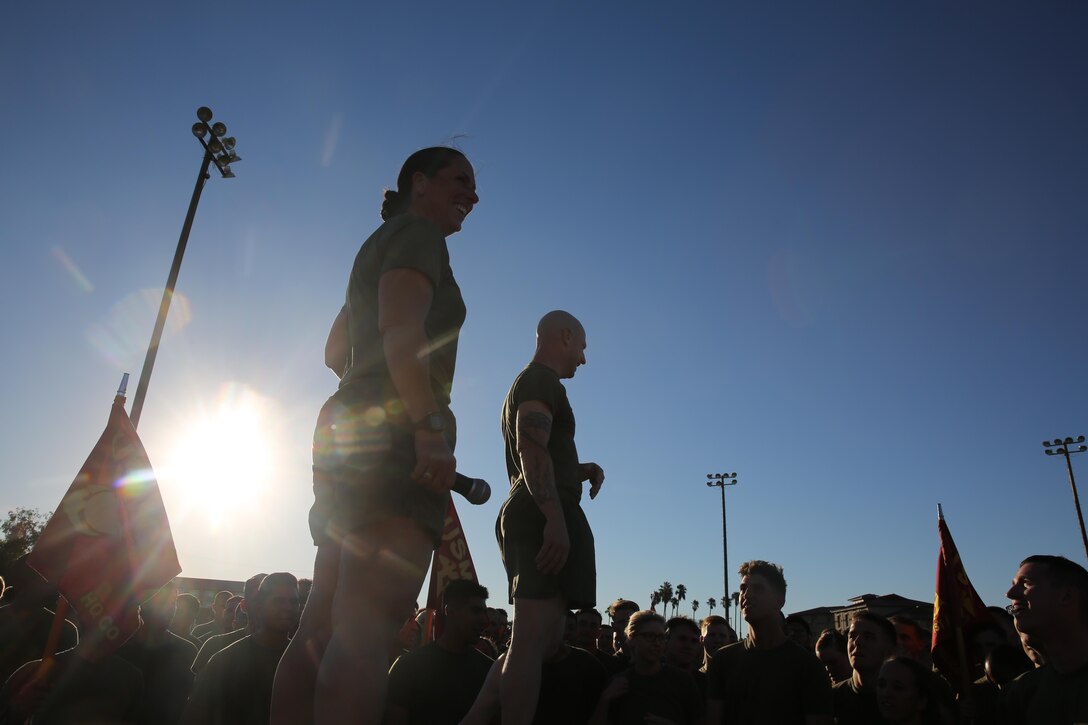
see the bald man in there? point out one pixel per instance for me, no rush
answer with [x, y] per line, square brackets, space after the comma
[545, 540]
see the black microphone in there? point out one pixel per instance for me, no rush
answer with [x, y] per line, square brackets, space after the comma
[475, 490]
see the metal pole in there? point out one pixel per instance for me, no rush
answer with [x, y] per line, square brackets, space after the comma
[1076, 498]
[725, 557]
[167, 295]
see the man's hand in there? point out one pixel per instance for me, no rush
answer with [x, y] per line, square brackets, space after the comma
[595, 475]
[435, 465]
[556, 547]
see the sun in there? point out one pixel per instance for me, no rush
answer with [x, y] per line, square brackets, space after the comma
[223, 459]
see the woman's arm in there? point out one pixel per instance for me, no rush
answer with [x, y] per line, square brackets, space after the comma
[338, 344]
[404, 299]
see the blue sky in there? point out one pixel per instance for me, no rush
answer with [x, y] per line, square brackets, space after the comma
[833, 247]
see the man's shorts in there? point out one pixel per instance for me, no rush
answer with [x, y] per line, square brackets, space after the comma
[363, 459]
[520, 531]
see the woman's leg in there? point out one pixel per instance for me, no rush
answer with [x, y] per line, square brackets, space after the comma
[296, 676]
[380, 573]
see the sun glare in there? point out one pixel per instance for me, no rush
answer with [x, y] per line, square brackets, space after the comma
[223, 460]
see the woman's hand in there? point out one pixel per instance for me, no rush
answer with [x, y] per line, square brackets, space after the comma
[435, 464]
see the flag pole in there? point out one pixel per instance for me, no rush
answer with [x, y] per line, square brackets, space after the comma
[168, 294]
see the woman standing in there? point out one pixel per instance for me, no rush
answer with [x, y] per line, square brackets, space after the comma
[383, 447]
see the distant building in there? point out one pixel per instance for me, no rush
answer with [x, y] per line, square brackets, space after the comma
[884, 605]
[818, 619]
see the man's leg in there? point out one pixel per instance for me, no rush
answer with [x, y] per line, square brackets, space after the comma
[538, 625]
[293, 688]
[381, 572]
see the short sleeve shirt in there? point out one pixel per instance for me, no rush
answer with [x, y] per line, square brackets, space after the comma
[780, 685]
[1044, 695]
[436, 686]
[404, 242]
[668, 693]
[541, 383]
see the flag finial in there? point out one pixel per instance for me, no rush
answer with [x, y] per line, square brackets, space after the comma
[123, 388]
[940, 513]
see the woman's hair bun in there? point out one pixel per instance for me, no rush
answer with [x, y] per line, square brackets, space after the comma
[392, 205]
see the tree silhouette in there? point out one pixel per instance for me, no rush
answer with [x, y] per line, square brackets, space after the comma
[664, 594]
[694, 607]
[681, 595]
[712, 602]
[675, 604]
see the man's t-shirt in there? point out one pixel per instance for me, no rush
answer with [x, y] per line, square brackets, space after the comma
[214, 644]
[23, 634]
[235, 688]
[570, 685]
[404, 242]
[668, 693]
[539, 382]
[779, 685]
[167, 677]
[1044, 695]
[106, 691]
[436, 686]
[854, 706]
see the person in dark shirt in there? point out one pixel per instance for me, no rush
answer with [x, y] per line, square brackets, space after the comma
[86, 684]
[1050, 606]
[235, 688]
[219, 623]
[871, 639]
[383, 449]
[767, 678]
[618, 660]
[26, 617]
[906, 693]
[684, 650]
[714, 633]
[544, 536]
[218, 642]
[185, 611]
[831, 651]
[163, 658]
[437, 683]
[649, 691]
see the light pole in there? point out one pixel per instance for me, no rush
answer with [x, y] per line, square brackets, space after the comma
[1062, 446]
[721, 480]
[218, 150]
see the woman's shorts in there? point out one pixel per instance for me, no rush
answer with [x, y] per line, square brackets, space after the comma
[363, 459]
[520, 531]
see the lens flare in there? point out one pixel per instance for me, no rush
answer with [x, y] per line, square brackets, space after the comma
[121, 338]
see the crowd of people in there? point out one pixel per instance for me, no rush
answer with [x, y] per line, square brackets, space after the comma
[337, 650]
[1029, 664]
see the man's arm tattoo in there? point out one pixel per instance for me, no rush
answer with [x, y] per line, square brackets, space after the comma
[537, 421]
[534, 429]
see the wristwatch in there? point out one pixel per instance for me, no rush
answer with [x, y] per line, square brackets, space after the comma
[432, 422]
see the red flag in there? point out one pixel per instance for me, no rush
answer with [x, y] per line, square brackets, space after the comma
[452, 560]
[957, 612]
[108, 547]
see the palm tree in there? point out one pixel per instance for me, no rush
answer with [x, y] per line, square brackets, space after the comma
[675, 604]
[654, 599]
[712, 602]
[681, 595]
[664, 593]
[694, 607]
